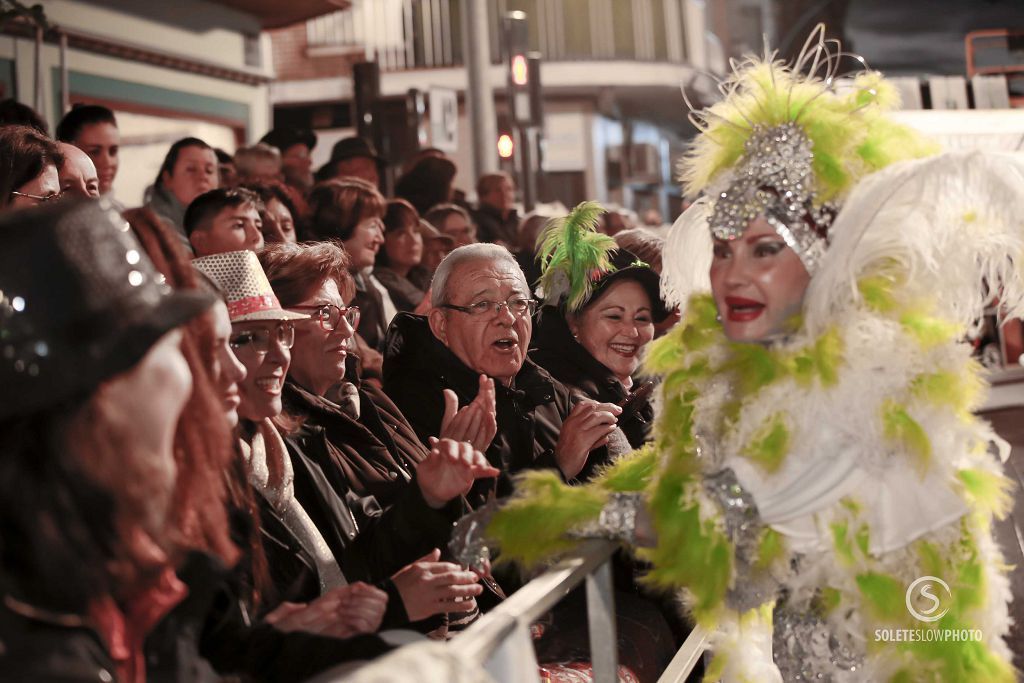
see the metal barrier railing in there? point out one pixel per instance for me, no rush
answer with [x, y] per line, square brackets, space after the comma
[483, 641]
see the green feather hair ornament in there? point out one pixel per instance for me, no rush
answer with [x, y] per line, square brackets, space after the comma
[572, 255]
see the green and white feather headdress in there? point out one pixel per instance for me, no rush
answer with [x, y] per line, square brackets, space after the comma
[573, 255]
[787, 142]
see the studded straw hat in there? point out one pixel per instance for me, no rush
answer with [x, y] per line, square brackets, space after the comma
[80, 302]
[239, 275]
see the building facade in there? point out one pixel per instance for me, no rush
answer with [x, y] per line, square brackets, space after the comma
[613, 74]
[167, 69]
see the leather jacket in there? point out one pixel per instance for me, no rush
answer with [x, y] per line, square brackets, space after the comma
[418, 367]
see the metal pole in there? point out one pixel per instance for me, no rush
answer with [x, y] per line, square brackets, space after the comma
[37, 93]
[65, 91]
[768, 21]
[604, 646]
[476, 39]
[528, 153]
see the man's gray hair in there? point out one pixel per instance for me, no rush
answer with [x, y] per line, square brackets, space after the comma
[483, 251]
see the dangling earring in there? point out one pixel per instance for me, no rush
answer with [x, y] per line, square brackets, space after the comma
[718, 317]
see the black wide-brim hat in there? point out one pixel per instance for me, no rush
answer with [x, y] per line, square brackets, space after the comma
[628, 266]
[286, 137]
[427, 171]
[352, 148]
[80, 302]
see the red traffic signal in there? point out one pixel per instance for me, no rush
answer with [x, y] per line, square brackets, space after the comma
[505, 146]
[520, 70]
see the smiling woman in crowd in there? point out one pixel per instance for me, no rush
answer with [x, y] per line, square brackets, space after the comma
[592, 334]
[93, 129]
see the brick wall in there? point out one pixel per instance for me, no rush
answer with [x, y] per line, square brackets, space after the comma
[292, 61]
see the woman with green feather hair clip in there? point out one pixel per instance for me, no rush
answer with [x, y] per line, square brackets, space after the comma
[600, 307]
[817, 479]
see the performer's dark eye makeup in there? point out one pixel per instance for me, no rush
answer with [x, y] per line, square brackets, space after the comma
[769, 248]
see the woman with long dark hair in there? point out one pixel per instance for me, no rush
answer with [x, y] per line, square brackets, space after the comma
[188, 170]
[88, 473]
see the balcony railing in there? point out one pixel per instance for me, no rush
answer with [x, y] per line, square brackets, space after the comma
[421, 34]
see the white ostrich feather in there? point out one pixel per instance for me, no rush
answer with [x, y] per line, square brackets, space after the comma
[951, 222]
[686, 257]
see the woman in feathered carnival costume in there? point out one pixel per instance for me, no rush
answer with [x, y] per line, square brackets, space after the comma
[815, 451]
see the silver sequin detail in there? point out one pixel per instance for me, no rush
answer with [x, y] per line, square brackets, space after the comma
[753, 586]
[19, 342]
[705, 450]
[806, 649]
[468, 544]
[617, 521]
[775, 178]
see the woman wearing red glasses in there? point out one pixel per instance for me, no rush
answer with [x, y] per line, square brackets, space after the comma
[360, 441]
[370, 439]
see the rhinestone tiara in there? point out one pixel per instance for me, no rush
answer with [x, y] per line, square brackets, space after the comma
[775, 178]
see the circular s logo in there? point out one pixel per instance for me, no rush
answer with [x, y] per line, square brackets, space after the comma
[922, 592]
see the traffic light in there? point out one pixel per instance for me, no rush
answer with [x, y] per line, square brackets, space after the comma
[523, 72]
[519, 70]
[524, 103]
[506, 147]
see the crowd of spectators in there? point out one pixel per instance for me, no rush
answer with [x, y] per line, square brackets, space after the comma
[239, 422]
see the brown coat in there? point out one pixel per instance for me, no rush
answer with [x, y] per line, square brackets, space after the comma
[377, 453]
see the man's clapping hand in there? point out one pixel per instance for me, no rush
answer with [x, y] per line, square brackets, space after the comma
[477, 422]
[450, 470]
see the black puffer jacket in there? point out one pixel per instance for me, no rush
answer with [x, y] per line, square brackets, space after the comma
[554, 349]
[418, 367]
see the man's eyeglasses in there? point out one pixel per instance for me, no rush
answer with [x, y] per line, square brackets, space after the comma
[39, 198]
[519, 307]
[329, 316]
[258, 340]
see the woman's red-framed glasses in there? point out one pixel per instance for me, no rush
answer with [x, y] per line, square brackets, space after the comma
[329, 315]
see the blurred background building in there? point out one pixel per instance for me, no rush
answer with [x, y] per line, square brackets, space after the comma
[611, 77]
[613, 73]
[168, 69]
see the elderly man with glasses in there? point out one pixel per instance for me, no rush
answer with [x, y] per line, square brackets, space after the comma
[463, 373]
